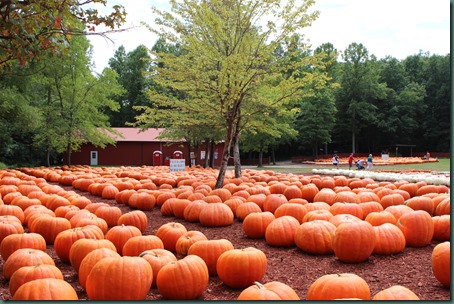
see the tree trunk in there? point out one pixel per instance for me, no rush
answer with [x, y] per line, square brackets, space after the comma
[207, 152]
[353, 142]
[189, 152]
[236, 156]
[212, 154]
[196, 152]
[260, 162]
[273, 155]
[68, 152]
[231, 128]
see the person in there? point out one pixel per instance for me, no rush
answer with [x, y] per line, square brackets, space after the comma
[369, 162]
[350, 161]
[336, 161]
[359, 164]
[427, 156]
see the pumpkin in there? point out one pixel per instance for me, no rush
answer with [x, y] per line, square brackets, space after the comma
[297, 211]
[142, 201]
[270, 291]
[398, 210]
[216, 215]
[417, 227]
[49, 227]
[317, 215]
[391, 199]
[90, 260]
[185, 241]
[157, 258]
[246, 208]
[347, 208]
[10, 227]
[442, 227]
[119, 235]
[325, 195]
[138, 244]
[281, 231]
[192, 211]
[234, 202]
[25, 257]
[195, 276]
[315, 237]
[347, 197]
[338, 219]
[110, 214]
[66, 239]
[444, 207]
[169, 234]
[179, 206]
[240, 268]
[388, 239]
[421, 203]
[81, 247]
[209, 251]
[29, 273]
[309, 191]
[12, 210]
[353, 242]
[104, 283]
[381, 217]
[396, 292]
[134, 218]
[273, 201]
[338, 286]
[255, 224]
[16, 241]
[441, 263]
[46, 289]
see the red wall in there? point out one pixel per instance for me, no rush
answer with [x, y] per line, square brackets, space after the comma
[134, 154]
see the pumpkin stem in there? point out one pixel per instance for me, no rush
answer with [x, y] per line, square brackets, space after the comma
[259, 285]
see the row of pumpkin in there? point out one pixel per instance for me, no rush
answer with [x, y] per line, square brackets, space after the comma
[282, 221]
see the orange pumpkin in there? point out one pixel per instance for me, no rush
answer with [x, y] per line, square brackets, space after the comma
[102, 282]
[157, 258]
[46, 289]
[417, 227]
[388, 239]
[315, 237]
[29, 273]
[338, 286]
[240, 268]
[269, 291]
[281, 231]
[169, 234]
[396, 292]
[193, 269]
[353, 242]
[441, 263]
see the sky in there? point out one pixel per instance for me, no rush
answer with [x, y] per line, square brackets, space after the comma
[397, 28]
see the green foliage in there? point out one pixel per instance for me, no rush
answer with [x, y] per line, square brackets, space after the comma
[29, 28]
[131, 69]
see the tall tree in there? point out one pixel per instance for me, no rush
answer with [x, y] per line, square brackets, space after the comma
[76, 102]
[131, 68]
[360, 92]
[31, 27]
[229, 54]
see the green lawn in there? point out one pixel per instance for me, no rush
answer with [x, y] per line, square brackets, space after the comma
[444, 165]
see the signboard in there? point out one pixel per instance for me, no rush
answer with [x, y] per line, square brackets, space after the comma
[177, 164]
[385, 156]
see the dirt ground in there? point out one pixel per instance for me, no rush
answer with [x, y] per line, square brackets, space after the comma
[411, 268]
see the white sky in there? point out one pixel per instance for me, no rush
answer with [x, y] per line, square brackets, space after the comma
[398, 28]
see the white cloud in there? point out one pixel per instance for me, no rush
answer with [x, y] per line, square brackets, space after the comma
[398, 28]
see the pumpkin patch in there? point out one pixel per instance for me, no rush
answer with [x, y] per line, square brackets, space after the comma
[181, 239]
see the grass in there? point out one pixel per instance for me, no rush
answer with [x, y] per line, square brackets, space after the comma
[443, 165]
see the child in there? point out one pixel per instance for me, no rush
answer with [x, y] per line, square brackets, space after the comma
[360, 164]
[336, 161]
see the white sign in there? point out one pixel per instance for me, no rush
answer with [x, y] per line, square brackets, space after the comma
[385, 156]
[177, 164]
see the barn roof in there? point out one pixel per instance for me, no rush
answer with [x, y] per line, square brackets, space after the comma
[136, 134]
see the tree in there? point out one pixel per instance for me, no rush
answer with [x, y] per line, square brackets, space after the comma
[359, 93]
[31, 27]
[74, 111]
[131, 68]
[228, 55]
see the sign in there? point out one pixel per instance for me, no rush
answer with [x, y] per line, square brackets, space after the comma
[177, 164]
[385, 156]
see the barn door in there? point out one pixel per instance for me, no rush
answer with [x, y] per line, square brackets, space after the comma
[93, 158]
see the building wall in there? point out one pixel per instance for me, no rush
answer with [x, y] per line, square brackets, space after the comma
[135, 154]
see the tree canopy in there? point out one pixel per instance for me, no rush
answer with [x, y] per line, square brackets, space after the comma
[30, 27]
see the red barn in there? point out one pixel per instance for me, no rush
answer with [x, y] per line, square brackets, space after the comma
[137, 148]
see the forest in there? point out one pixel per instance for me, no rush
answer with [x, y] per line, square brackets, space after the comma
[304, 100]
